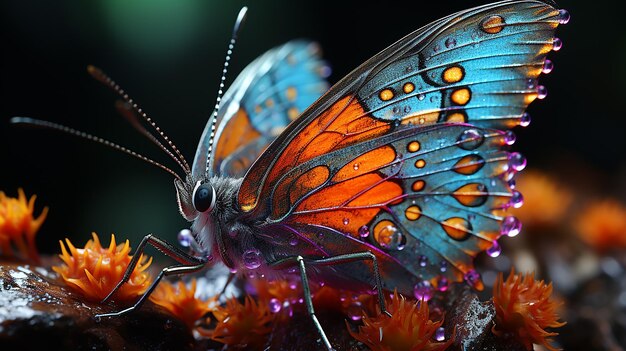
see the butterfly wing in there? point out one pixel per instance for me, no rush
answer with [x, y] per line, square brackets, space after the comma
[267, 95]
[378, 154]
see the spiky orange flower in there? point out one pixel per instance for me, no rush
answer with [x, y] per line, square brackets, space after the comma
[408, 329]
[524, 307]
[238, 325]
[602, 225]
[94, 271]
[545, 201]
[18, 226]
[181, 301]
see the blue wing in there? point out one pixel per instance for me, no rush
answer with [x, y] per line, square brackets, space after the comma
[268, 94]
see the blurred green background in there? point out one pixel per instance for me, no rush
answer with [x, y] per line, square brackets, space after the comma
[168, 56]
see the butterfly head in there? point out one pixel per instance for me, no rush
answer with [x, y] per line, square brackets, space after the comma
[195, 197]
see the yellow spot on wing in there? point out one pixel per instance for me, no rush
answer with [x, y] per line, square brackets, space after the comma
[293, 113]
[457, 228]
[456, 117]
[492, 25]
[408, 88]
[413, 213]
[413, 146]
[386, 94]
[461, 96]
[418, 185]
[453, 74]
[291, 93]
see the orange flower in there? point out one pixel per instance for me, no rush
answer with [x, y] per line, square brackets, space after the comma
[94, 271]
[409, 328]
[524, 307]
[18, 226]
[240, 325]
[545, 201]
[603, 225]
[181, 301]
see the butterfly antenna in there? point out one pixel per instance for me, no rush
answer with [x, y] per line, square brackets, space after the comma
[126, 109]
[220, 92]
[58, 127]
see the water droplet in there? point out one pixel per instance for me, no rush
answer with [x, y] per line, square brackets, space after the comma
[542, 92]
[421, 97]
[442, 283]
[472, 277]
[564, 16]
[396, 110]
[293, 240]
[292, 286]
[470, 139]
[517, 200]
[423, 261]
[233, 270]
[525, 120]
[423, 290]
[355, 166]
[346, 221]
[517, 161]
[548, 66]
[389, 237]
[433, 98]
[450, 43]
[185, 238]
[355, 311]
[252, 259]
[275, 305]
[364, 231]
[437, 48]
[531, 83]
[512, 183]
[509, 137]
[407, 109]
[494, 250]
[557, 44]
[440, 334]
[408, 69]
[325, 71]
[511, 226]
[443, 266]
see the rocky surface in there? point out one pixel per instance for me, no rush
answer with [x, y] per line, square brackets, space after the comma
[38, 312]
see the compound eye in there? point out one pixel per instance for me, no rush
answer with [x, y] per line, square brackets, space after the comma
[203, 197]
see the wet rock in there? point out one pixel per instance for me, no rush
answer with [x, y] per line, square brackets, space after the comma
[471, 322]
[37, 312]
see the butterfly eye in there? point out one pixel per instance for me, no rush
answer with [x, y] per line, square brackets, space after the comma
[203, 197]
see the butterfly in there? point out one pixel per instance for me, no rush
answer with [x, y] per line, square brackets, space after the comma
[394, 178]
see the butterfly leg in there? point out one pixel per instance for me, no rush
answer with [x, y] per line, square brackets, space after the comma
[188, 264]
[171, 270]
[353, 257]
[309, 301]
[339, 259]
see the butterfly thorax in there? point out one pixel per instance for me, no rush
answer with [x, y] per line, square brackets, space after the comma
[224, 232]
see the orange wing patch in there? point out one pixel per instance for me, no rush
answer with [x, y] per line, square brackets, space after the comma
[290, 190]
[342, 124]
[349, 205]
[241, 123]
[366, 163]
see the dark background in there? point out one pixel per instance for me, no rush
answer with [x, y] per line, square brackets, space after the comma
[168, 56]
